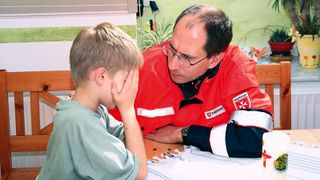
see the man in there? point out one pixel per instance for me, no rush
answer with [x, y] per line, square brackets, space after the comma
[199, 90]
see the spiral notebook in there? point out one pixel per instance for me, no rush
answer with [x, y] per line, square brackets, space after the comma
[304, 163]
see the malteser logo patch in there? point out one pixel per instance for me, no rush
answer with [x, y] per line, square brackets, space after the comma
[242, 101]
[214, 112]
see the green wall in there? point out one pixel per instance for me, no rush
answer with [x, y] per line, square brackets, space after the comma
[10, 35]
[246, 15]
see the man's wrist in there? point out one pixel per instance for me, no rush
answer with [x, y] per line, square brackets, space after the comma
[198, 136]
[184, 133]
[177, 134]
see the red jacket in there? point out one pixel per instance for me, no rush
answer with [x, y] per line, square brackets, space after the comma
[233, 87]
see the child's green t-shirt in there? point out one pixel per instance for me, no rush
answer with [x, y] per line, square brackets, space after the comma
[87, 145]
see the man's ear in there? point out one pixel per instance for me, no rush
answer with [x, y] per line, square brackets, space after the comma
[99, 75]
[214, 60]
[211, 62]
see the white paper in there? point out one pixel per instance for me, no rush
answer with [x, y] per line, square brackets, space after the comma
[195, 164]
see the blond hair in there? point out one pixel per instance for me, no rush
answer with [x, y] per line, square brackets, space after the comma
[104, 45]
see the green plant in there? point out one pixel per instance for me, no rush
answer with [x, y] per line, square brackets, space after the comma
[280, 43]
[303, 14]
[280, 35]
[310, 26]
[277, 30]
[150, 38]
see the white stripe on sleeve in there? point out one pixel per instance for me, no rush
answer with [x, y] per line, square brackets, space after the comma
[253, 118]
[218, 140]
[155, 112]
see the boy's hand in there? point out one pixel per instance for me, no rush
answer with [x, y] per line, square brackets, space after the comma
[124, 99]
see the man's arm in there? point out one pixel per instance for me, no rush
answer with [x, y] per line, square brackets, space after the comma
[241, 137]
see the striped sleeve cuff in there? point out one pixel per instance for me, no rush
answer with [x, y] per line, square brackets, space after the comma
[218, 140]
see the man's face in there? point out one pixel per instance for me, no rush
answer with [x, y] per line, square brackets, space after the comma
[187, 44]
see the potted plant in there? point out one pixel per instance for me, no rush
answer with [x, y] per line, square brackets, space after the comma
[150, 37]
[305, 17]
[280, 44]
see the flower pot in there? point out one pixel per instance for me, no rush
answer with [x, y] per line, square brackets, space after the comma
[309, 51]
[281, 48]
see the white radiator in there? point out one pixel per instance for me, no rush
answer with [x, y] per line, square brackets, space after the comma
[305, 106]
[305, 110]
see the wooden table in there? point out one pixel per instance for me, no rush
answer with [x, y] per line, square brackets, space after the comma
[154, 148]
[308, 136]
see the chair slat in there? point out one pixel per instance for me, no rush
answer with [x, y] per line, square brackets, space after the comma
[270, 91]
[35, 112]
[285, 98]
[49, 99]
[268, 73]
[29, 143]
[39, 81]
[5, 154]
[24, 173]
[47, 130]
[19, 113]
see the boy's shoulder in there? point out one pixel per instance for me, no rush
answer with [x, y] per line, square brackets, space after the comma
[70, 112]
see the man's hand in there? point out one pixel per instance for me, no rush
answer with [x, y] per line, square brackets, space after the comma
[167, 134]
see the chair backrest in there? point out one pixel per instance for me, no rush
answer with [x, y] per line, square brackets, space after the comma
[273, 74]
[39, 87]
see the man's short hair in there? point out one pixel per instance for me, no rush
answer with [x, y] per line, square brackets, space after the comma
[103, 45]
[217, 25]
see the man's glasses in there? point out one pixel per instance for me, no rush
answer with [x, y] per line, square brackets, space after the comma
[182, 59]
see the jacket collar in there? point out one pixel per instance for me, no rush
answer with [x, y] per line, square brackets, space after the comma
[191, 88]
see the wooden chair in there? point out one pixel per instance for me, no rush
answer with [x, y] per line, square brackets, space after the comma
[40, 86]
[272, 74]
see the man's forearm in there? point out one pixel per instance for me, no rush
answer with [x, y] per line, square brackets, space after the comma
[241, 137]
[236, 142]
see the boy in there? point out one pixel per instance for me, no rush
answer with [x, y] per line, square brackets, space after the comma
[86, 142]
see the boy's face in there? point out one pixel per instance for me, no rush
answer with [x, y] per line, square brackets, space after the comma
[118, 79]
